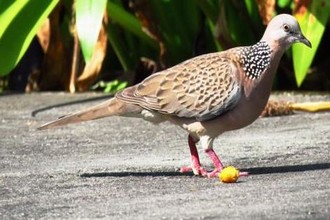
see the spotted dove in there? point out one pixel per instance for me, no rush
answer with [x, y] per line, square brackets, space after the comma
[206, 95]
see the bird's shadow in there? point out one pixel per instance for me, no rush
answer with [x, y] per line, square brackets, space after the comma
[136, 174]
[251, 171]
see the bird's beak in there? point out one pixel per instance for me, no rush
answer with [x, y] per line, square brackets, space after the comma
[302, 39]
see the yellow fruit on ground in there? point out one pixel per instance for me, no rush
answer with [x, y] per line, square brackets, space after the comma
[229, 175]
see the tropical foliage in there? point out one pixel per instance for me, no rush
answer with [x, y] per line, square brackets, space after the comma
[121, 42]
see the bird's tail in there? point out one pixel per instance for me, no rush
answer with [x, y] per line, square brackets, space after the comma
[107, 108]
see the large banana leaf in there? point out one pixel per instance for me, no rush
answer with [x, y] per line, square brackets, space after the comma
[89, 16]
[20, 21]
[312, 21]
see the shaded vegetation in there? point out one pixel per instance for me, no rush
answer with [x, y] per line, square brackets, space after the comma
[109, 45]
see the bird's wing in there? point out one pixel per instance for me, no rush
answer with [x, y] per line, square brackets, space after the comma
[202, 88]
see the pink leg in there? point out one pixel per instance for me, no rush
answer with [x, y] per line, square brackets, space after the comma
[196, 165]
[216, 161]
[218, 166]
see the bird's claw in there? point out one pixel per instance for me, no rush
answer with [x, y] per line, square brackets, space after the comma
[197, 171]
[243, 174]
[216, 172]
[203, 172]
[200, 171]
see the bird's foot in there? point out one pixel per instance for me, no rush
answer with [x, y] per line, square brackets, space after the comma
[200, 171]
[197, 171]
[203, 172]
[196, 167]
[243, 174]
[214, 173]
[218, 165]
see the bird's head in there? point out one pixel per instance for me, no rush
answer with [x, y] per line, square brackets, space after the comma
[284, 30]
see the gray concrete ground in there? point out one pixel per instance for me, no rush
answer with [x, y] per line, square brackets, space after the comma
[125, 168]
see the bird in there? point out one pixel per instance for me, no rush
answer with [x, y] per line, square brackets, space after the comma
[206, 95]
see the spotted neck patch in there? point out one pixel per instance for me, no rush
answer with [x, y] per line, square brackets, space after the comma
[255, 59]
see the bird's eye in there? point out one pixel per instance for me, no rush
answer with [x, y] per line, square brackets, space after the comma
[286, 28]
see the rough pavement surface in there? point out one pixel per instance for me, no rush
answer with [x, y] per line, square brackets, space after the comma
[125, 168]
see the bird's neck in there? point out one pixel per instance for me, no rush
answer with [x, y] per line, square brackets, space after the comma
[264, 85]
[260, 86]
[256, 59]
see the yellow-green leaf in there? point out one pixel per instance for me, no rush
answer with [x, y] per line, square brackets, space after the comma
[312, 22]
[89, 16]
[20, 21]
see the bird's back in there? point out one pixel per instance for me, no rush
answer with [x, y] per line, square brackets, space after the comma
[202, 87]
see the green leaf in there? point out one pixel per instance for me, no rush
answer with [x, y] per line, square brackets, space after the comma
[283, 3]
[89, 16]
[240, 33]
[119, 47]
[253, 11]
[209, 9]
[179, 25]
[20, 21]
[110, 87]
[126, 20]
[312, 23]
[114, 86]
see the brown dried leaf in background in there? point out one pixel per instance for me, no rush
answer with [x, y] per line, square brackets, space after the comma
[54, 72]
[301, 6]
[43, 35]
[75, 64]
[266, 10]
[93, 68]
[276, 108]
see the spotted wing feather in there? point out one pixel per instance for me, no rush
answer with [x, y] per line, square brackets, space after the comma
[202, 88]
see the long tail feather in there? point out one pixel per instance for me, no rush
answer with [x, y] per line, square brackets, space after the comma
[107, 108]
